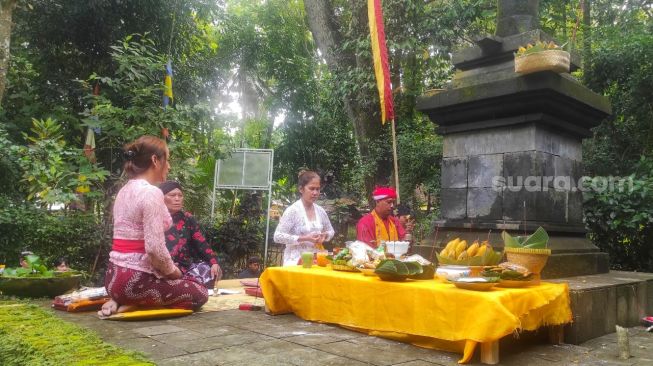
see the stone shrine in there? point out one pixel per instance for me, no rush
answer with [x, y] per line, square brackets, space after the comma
[512, 146]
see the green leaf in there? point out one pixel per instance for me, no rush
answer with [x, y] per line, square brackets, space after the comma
[537, 240]
[32, 259]
[509, 241]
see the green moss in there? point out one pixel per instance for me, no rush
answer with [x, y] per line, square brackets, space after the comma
[31, 335]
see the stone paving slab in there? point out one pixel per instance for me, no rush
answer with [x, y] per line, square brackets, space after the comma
[250, 338]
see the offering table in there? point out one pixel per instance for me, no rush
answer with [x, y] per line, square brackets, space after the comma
[426, 313]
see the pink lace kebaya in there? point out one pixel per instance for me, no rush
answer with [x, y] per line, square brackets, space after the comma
[139, 213]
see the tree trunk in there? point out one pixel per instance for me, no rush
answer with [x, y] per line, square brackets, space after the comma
[563, 11]
[6, 11]
[587, 35]
[365, 119]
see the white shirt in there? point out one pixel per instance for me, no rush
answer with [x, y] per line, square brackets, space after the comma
[294, 223]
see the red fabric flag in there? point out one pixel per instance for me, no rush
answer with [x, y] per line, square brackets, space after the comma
[380, 55]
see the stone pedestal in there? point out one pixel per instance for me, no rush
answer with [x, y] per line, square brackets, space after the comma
[512, 152]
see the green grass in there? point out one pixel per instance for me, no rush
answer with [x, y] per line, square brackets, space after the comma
[31, 335]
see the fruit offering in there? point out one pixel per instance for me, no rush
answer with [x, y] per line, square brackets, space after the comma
[477, 254]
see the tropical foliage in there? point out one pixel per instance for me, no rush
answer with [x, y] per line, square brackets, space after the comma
[268, 74]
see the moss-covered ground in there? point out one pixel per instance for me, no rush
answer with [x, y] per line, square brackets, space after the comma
[31, 335]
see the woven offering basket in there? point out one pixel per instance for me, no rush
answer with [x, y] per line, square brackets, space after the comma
[549, 60]
[533, 259]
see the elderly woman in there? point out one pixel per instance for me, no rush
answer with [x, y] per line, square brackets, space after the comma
[304, 226]
[140, 272]
[188, 248]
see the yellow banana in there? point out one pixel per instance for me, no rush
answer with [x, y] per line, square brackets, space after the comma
[451, 245]
[471, 251]
[460, 247]
[463, 255]
[481, 250]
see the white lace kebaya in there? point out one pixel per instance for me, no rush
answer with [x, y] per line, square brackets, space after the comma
[294, 223]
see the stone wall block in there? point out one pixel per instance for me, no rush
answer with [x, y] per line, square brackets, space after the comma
[454, 203]
[482, 170]
[454, 173]
[519, 204]
[550, 205]
[484, 204]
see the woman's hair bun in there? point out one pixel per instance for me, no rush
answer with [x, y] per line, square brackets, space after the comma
[302, 171]
[129, 154]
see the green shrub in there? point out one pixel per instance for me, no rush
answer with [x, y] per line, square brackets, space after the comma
[621, 221]
[30, 335]
[75, 235]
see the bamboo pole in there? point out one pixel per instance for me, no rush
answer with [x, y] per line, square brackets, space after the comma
[394, 155]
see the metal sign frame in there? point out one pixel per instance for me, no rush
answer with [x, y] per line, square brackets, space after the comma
[252, 187]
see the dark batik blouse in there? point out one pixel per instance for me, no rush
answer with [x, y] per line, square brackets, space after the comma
[186, 243]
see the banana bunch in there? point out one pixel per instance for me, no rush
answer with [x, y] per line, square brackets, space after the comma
[478, 253]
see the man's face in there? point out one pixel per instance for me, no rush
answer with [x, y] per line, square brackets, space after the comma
[385, 207]
[255, 266]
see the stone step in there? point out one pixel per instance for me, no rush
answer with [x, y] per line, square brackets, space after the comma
[599, 302]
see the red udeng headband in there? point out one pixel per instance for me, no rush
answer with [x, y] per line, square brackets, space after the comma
[384, 192]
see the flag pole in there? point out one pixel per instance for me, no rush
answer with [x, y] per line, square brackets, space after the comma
[394, 156]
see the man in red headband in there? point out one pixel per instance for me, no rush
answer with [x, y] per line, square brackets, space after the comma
[379, 225]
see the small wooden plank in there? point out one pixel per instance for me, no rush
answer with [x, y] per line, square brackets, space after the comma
[490, 353]
[556, 334]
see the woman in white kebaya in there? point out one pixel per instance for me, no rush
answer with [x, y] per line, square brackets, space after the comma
[304, 225]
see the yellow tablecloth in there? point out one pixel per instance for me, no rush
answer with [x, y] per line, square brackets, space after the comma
[427, 313]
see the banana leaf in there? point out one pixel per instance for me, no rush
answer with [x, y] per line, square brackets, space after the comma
[414, 268]
[509, 241]
[387, 266]
[538, 240]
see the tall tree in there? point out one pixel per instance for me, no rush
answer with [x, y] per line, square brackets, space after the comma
[343, 62]
[6, 12]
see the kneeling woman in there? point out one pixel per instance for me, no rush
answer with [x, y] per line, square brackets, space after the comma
[140, 271]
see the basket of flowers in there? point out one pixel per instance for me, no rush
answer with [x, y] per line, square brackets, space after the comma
[541, 56]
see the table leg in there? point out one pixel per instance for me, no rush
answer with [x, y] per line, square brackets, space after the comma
[556, 334]
[490, 353]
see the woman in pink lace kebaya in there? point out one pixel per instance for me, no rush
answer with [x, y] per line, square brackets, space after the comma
[140, 272]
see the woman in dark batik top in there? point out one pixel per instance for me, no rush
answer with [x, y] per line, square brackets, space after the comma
[188, 248]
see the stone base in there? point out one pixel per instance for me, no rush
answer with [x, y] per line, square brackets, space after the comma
[575, 264]
[600, 302]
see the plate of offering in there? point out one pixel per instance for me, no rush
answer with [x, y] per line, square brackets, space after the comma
[476, 283]
[452, 273]
[367, 271]
[517, 283]
[512, 275]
